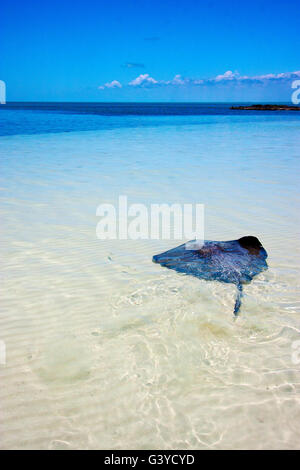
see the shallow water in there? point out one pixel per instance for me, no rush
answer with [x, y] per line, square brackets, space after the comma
[105, 349]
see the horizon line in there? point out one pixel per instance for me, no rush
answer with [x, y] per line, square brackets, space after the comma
[146, 102]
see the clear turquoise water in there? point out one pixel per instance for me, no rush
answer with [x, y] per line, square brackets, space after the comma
[106, 349]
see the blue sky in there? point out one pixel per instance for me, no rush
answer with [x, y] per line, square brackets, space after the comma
[149, 50]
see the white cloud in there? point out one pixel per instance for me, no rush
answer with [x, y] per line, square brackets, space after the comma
[143, 79]
[177, 80]
[227, 77]
[274, 76]
[113, 84]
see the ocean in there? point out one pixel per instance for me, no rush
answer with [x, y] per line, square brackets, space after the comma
[99, 347]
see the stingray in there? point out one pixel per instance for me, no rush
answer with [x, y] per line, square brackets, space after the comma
[236, 261]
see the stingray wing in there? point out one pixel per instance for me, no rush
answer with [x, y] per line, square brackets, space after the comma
[222, 261]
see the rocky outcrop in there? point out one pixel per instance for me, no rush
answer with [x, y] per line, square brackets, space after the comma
[267, 107]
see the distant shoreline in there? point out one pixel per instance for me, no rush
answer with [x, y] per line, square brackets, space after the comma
[267, 107]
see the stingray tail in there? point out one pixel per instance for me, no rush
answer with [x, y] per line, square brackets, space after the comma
[238, 299]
